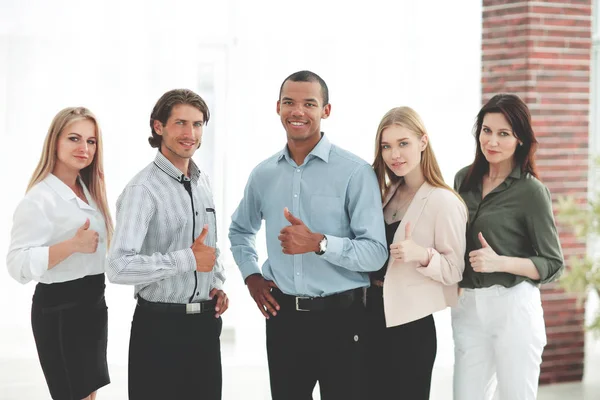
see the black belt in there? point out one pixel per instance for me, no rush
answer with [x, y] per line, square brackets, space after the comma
[178, 308]
[338, 301]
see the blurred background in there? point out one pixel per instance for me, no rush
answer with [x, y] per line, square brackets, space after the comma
[440, 58]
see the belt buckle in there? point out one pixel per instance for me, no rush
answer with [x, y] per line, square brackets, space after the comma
[193, 308]
[298, 306]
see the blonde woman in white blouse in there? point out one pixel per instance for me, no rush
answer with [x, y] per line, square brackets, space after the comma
[60, 233]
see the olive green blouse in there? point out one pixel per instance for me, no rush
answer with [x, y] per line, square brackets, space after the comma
[516, 219]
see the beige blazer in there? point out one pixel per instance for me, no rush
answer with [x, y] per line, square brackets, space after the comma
[438, 222]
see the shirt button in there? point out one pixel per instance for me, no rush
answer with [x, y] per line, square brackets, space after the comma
[356, 338]
[298, 170]
[197, 293]
[298, 273]
[196, 212]
[295, 195]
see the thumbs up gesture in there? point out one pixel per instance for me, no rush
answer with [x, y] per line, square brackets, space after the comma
[407, 250]
[85, 239]
[297, 238]
[485, 259]
[205, 256]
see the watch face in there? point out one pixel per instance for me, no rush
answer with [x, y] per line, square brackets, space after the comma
[323, 244]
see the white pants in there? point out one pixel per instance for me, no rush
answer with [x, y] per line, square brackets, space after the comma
[499, 336]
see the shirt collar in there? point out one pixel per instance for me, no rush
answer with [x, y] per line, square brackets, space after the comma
[60, 187]
[168, 168]
[321, 150]
[516, 172]
[67, 194]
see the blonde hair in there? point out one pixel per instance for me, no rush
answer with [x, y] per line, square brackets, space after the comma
[409, 119]
[92, 175]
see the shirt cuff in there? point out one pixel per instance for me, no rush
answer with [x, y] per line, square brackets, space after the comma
[184, 260]
[335, 246]
[38, 261]
[249, 268]
[547, 275]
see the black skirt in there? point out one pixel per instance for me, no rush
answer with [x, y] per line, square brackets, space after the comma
[69, 321]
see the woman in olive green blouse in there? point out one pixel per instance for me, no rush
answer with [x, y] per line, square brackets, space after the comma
[512, 247]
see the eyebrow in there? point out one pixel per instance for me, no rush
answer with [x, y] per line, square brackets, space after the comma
[311, 99]
[185, 120]
[399, 140]
[78, 135]
[501, 129]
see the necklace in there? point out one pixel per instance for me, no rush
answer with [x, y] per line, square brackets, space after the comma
[403, 203]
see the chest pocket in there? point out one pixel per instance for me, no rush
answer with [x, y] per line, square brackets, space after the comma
[326, 214]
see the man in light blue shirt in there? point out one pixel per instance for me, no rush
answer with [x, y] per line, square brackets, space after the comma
[325, 233]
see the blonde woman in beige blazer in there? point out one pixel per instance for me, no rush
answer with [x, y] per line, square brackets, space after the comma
[425, 228]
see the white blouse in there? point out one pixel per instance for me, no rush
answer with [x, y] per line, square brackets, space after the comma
[49, 214]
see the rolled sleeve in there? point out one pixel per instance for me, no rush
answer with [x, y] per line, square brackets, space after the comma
[544, 238]
[366, 251]
[29, 250]
[447, 263]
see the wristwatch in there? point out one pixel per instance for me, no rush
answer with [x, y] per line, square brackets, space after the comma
[322, 246]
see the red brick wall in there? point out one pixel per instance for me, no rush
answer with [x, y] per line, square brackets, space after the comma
[541, 50]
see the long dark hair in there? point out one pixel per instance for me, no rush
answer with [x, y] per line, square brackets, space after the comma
[518, 116]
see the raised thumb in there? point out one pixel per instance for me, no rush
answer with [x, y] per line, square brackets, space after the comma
[86, 225]
[482, 240]
[407, 231]
[203, 234]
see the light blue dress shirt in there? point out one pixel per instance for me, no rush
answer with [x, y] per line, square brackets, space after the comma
[335, 193]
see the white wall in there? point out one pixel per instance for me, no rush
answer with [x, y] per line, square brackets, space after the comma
[117, 58]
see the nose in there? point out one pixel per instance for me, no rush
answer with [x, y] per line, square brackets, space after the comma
[188, 129]
[297, 110]
[84, 146]
[395, 152]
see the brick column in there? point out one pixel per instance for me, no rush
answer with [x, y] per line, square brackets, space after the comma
[541, 51]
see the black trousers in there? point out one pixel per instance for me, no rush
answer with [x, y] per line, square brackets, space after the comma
[174, 356]
[399, 359]
[304, 347]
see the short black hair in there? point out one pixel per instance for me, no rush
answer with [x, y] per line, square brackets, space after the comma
[308, 76]
[164, 106]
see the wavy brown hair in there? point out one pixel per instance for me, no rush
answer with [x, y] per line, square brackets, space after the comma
[518, 116]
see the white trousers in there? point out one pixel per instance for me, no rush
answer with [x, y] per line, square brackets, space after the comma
[499, 336]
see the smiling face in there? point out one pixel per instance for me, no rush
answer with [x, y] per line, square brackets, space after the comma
[182, 134]
[301, 109]
[76, 145]
[401, 150]
[497, 139]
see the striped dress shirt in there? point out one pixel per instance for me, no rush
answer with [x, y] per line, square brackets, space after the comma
[159, 214]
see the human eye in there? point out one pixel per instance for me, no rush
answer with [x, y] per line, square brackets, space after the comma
[504, 134]
[73, 138]
[310, 105]
[385, 146]
[197, 124]
[486, 130]
[286, 102]
[179, 122]
[92, 141]
[403, 144]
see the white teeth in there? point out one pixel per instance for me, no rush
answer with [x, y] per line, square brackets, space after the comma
[297, 123]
